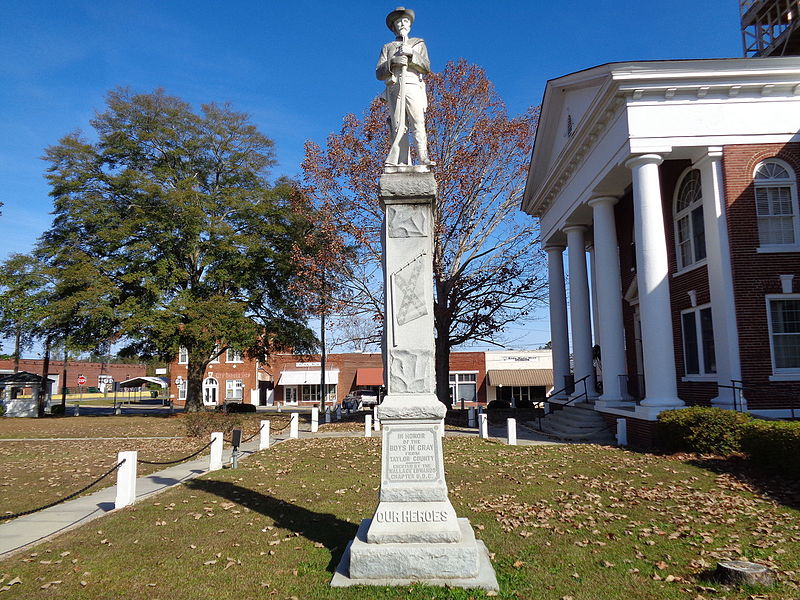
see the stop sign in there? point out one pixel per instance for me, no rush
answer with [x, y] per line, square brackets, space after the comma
[81, 380]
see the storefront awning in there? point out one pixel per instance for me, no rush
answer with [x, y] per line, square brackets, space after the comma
[369, 376]
[309, 377]
[521, 377]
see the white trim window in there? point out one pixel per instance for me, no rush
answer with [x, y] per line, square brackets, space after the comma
[183, 356]
[464, 386]
[182, 390]
[699, 355]
[215, 354]
[234, 390]
[234, 356]
[690, 230]
[776, 204]
[783, 316]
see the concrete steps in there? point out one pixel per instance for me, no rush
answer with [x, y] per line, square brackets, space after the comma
[578, 423]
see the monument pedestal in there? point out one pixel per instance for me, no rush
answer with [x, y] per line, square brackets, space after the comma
[414, 534]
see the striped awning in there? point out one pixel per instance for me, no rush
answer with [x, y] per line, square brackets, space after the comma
[369, 376]
[308, 377]
[521, 377]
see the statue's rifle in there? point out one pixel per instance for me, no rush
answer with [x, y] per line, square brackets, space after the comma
[400, 108]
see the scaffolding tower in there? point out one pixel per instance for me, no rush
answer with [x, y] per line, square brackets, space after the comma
[770, 27]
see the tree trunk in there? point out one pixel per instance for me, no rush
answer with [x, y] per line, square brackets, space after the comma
[195, 372]
[442, 364]
[44, 390]
[64, 381]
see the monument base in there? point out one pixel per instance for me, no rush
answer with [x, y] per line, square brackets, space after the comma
[463, 564]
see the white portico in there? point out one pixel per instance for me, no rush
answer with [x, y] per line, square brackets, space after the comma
[617, 149]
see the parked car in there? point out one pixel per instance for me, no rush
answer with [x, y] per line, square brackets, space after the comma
[360, 399]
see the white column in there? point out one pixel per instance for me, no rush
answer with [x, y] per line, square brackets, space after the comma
[590, 250]
[126, 479]
[368, 426]
[511, 425]
[264, 433]
[314, 419]
[559, 333]
[483, 425]
[609, 299]
[652, 273]
[720, 276]
[215, 456]
[579, 310]
[294, 426]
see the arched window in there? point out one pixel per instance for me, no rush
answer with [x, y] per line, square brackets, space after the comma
[690, 230]
[776, 203]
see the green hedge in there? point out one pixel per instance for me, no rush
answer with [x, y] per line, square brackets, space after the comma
[774, 444]
[701, 429]
[771, 444]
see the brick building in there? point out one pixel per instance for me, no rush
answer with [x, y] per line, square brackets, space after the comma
[295, 380]
[96, 374]
[678, 181]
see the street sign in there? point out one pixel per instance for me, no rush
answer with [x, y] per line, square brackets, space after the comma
[81, 380]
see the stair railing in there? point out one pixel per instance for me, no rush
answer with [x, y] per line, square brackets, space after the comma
[739, 388]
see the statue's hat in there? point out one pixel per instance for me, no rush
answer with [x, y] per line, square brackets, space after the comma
[400, 11]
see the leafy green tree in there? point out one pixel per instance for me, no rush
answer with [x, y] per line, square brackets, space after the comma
[22, 288]
[167, 234]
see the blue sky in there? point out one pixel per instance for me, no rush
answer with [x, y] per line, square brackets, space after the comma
[297, 67]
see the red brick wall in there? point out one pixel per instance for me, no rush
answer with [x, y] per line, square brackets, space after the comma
[754, 274]
[471, 361]
[641, 434]
[222, 372]
[90, 370]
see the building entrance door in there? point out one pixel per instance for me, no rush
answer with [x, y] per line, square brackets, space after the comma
[290, 394]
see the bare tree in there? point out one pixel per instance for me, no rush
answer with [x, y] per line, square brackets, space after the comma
[487, 264]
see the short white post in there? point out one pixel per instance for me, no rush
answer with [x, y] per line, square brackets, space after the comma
[622, 432]
[118, 409]
[483, 423]
[294, 426]
[376, 422]
[215, 458]
[263, 440]
[77, 409]
[471, 421]
[339, 412]
[279, 406]
[368, 426]
[314, 419]
[126, 479]
[512, 432]
[441, 428]
[327, 415]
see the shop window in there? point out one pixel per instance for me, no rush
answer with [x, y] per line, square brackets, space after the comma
[776, 204]
[233, 390]
[234, 356]
[463, 387]
[183, 356]
[690, 231]
[699, 356]
[784, 333]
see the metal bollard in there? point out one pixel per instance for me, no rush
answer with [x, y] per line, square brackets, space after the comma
[263, 440]
[126, 479]
[236, 441]
[483, 423]
[511, 424]
[294, 426]
[471, 422]
[368, 426]
[314, 419]
[339, 412]
[215, 457]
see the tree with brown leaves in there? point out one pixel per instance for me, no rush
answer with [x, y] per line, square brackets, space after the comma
[487, 265]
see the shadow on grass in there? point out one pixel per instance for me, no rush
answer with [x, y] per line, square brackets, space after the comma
[781, 489]
[325, 528]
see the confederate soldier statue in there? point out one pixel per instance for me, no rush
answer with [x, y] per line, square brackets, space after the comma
[402, 65]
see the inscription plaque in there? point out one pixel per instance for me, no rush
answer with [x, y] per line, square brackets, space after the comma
[412, 455]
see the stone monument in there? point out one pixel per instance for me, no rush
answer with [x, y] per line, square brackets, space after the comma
[414, 534]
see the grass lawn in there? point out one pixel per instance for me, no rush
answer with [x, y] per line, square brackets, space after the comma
[580, 522]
